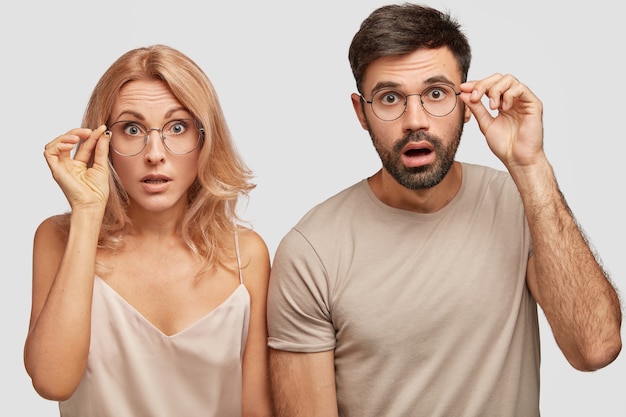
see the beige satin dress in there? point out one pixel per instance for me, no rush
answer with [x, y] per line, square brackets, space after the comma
[134, 370]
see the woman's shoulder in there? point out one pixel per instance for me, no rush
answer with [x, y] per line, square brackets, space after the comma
[254, 254]
[53, 227]
[251, 244]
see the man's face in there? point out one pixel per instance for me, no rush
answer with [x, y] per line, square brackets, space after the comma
[418, 147]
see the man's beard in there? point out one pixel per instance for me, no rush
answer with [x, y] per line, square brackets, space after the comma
[423, 177]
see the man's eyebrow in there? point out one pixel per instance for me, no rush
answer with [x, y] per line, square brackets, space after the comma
[437, 79]
[385, 84]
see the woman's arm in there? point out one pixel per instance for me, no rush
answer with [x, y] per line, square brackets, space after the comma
[256, 270]
[55, 352]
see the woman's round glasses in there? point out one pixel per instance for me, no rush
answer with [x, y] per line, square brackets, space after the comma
[181, 136]
[437, 100]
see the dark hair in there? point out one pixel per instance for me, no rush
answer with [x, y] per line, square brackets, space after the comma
[400, 29]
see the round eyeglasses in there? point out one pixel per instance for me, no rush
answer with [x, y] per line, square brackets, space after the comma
[437, 100]
[181, 136]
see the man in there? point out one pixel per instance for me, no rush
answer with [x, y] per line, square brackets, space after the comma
[414, 292]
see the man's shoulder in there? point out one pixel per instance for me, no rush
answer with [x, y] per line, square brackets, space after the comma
[480, 169]
[483, 174]
[340, 204]
[486, 183]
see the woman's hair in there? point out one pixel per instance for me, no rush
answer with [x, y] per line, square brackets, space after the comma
[397, 30]
[209, 224]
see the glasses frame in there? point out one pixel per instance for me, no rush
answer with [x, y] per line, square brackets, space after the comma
[406, 102]
[161, 135]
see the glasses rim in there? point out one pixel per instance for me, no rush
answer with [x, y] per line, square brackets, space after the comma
[406, 97]
[147, 131]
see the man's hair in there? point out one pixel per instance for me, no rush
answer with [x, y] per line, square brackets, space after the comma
[396, 30]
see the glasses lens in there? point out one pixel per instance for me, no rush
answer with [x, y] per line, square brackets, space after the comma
[181, 136]
[439, 100]
[388, 105]
[128, 138]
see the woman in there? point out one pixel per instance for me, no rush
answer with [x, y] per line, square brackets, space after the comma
[149, 295]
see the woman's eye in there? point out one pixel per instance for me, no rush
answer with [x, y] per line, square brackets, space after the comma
[132, 130]
[177, 128]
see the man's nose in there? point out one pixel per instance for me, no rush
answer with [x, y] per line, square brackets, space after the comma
[415, 117]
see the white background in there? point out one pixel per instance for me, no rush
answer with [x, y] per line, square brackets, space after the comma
[281, 71]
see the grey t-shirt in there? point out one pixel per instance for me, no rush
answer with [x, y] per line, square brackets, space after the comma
[428, 314]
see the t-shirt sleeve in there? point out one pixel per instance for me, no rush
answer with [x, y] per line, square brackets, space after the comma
[298, 309]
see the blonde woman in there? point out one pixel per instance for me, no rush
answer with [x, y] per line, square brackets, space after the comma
[149, 295]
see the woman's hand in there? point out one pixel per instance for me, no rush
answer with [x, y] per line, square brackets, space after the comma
[83, 178]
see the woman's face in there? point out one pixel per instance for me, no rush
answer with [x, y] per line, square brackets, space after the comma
[156, 179]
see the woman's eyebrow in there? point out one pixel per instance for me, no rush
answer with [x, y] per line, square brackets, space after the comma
[138, 116]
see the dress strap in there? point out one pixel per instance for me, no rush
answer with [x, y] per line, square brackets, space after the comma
[238, 257]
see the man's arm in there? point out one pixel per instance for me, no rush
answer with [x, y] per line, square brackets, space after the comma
[303, 384]
[564, 276]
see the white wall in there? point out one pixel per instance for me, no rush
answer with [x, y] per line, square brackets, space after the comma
[281, 70]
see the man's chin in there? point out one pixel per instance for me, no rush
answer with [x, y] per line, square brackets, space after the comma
[420, 178]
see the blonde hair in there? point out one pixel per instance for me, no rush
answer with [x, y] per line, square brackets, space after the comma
[210, 222]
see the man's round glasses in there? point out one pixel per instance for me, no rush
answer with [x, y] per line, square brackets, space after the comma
[181, 136]
[437, 100]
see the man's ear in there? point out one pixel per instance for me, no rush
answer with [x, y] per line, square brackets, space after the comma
[468, 114]
[357, 104]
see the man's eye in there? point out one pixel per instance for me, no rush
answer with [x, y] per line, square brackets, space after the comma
[437, 93]
[390, 98]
